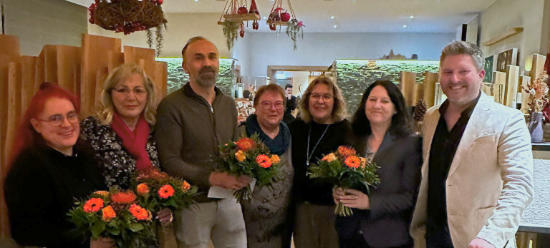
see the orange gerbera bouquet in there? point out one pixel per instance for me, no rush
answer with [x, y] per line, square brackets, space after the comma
[248, 156]
[157, 190]
[345, 169]
[117, 215]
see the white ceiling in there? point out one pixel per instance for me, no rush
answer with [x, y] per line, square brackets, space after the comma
[438, 16]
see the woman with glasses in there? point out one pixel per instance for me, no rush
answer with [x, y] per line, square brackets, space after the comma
[321, 128]
[49, 169]
[266, 214]
[120, 132]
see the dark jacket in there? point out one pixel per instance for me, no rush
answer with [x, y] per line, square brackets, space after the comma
[189, 132]
[41, 187]
[387, 222]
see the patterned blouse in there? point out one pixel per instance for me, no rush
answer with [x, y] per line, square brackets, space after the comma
[117, 164]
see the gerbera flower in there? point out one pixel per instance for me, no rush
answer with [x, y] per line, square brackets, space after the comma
[166, 191]
[353, 162]
[142, 189]
[346, 151]
[245, 143]
[329, 157]
[275, 159]
[93, 205]
[263, 161]
[138, 212]
[185, 186]
[108, 213]
[240, 155]
[123, 197]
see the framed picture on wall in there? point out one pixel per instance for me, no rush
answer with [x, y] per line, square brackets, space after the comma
[508, 57]
[489, 67]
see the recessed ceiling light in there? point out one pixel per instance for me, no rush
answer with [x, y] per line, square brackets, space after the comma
[405, 26]
[332, 17]
[196, 1]
[411, 17]
[335, 26]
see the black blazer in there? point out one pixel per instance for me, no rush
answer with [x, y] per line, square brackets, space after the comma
[387, 222]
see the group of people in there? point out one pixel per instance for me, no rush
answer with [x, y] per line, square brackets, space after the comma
[464, 183]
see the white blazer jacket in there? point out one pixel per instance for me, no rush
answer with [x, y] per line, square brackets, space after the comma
[490, 178]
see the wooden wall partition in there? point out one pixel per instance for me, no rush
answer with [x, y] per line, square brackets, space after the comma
[430, 78]
[408, 80]
[81, 70]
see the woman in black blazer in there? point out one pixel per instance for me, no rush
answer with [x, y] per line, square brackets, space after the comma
[382, 132]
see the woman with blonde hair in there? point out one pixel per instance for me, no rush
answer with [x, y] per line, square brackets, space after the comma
[120, 134]
[321, 128]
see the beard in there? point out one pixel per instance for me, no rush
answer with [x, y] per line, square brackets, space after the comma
[207, 77]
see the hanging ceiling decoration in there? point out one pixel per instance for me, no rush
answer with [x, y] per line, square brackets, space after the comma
[129, 16]
[233, 17]
[279, 17]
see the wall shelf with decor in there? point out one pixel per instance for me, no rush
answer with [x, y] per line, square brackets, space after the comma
[505, 35]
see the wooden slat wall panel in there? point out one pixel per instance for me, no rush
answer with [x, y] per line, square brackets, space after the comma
[408, 80]
[430, 79]
[159, 78]
[28, 75]
[9, 51]
[81, 70]
[100, 79]
[68, 64]
[95, 51]
[48, 56]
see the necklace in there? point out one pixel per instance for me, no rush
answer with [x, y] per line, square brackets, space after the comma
[308, 155]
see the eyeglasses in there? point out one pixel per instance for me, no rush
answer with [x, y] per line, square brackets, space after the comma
[325, 97]
[269, 105]
[59, 119]
[139, 91]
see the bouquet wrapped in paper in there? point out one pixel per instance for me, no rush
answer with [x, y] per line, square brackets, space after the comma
[248, 156]
[157, 190]
[117, 215]
[345, 169]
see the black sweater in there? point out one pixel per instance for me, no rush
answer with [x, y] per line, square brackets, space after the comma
[41, 187]
[314, 191]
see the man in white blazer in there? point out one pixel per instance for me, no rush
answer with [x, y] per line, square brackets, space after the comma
[478, 163]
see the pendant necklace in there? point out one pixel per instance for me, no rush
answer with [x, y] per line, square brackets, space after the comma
[308, 155]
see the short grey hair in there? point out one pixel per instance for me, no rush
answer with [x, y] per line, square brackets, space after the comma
[462, 47]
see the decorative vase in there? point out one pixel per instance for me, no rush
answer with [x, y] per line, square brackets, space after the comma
[535, 127]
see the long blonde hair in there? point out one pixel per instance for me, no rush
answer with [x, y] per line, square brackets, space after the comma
[339, 111]
[119, 74]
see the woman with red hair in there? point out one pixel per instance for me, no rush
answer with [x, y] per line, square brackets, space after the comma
[49, 169]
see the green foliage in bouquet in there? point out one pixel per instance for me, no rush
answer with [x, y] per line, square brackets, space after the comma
[116, 215]
[248, 156]
[157, 190]
[345, 169]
